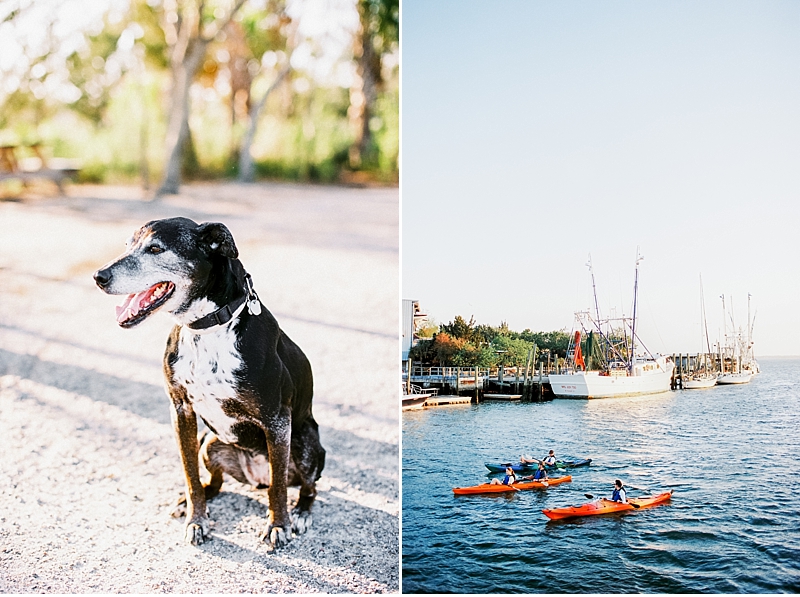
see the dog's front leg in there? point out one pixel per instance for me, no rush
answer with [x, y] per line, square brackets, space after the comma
[185, 423]
[279, 530]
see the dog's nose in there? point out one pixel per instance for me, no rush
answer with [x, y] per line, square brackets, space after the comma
[102, 277]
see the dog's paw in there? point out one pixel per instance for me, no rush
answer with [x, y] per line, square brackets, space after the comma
[301, 521]
[198, 531]
[276, 536]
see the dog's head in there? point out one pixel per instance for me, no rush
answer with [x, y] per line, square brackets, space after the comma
[167, 263]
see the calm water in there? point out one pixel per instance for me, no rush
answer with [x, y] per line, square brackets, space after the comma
[731, 453]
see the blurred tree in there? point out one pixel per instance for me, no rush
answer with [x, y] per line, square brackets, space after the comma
[97, 67]
[378, 35]
[270, 40]
[189, 26]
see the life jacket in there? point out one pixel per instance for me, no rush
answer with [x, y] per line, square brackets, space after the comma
[619, 494]
[540, 473]
[550, 460]
[510, 479]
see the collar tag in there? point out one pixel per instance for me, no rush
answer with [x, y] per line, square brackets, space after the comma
[253, 304]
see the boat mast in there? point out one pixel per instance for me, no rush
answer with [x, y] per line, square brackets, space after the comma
[705, 321]
[632, 354]
[748, 320]
[609, 344]
[724, 322]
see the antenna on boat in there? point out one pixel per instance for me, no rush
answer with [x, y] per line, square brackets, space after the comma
[724, 315]
[632, 355]
[594, 289]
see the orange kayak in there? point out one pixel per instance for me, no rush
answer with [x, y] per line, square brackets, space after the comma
[605, 506]
[489, 488]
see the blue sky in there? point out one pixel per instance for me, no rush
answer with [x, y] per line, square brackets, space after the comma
[537, 133]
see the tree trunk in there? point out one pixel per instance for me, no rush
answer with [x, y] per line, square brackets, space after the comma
[178, 122]
[364, 93]
[246, 170]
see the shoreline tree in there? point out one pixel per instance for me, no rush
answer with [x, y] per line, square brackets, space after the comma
[463, 343]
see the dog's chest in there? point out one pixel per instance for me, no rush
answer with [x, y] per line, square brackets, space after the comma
[206, 365]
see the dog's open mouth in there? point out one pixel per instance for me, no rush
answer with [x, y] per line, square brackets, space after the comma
[141, 304]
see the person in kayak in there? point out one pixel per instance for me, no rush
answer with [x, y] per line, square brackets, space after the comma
[525, 459]
[550, 459]
[539, 475]
[509, 479]
[619, 494]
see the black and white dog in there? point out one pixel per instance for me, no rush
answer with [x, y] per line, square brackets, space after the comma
[227, 361]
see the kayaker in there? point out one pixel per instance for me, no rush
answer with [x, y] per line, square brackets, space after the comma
[550, 459]
[509, 479]
[541, 473]
[619, 494]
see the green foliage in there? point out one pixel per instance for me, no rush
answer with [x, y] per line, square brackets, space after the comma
[118, 114]
[511, 351]
[88, 73]
[463, 343]
[383, 20]
[460, 328]
[557, 342]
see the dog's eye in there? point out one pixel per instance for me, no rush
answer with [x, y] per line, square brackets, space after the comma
[154, 249]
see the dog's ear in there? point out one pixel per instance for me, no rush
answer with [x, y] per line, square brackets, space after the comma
[218, 239]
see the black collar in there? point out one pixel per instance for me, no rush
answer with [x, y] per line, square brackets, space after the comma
[224, 314]
[219, 317]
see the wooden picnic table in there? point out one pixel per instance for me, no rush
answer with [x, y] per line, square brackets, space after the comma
[24, 169]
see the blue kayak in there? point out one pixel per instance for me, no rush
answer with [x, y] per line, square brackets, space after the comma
[518, 467]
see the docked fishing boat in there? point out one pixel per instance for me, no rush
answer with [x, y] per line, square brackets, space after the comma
[640, 377]
[736, 355]
[617, 362]
[734, 378]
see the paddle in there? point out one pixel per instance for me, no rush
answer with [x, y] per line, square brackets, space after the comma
[591, 497]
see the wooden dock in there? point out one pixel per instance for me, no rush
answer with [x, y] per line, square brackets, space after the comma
[447, 400]
[502, 396]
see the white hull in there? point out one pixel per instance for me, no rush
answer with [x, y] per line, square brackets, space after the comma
[699, 384]
[590, 384]
[415, 401]
[735, 378]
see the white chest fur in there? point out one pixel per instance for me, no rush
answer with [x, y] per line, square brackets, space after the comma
[206, 365]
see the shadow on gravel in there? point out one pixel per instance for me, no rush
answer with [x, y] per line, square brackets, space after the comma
[150, 401]
[145, 400]
[236, 514]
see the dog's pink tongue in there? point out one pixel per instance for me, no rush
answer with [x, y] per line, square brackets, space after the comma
[130, 306]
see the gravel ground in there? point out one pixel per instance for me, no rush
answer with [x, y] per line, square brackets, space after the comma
[89, 467]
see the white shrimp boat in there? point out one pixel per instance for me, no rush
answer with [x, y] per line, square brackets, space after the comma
[619, 371]
[737, 357]
[649, 376]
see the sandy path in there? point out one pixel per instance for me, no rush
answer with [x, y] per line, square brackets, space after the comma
[89, 467]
